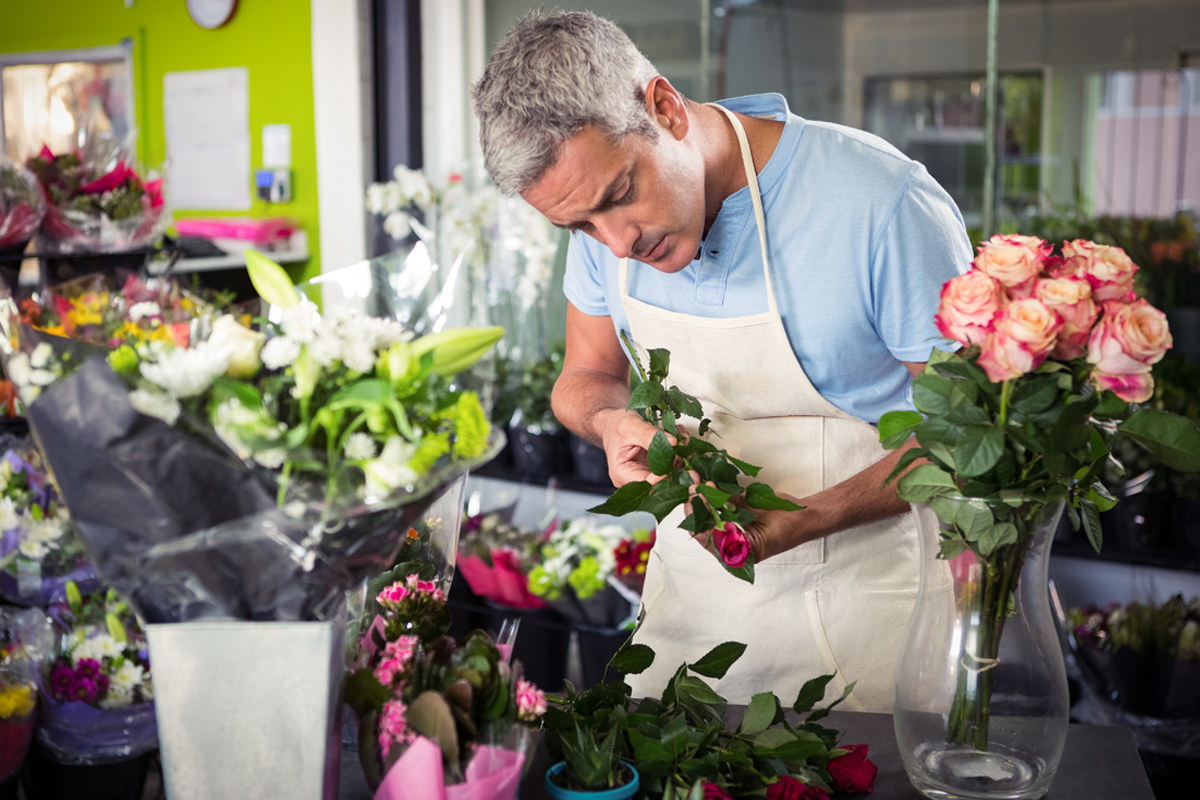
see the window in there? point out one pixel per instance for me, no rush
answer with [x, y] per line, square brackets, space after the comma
[53, 98]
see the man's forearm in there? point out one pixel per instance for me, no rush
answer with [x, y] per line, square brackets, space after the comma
[585, 399]
[855, 501]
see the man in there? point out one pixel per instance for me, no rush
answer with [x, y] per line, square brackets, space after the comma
[793, 270]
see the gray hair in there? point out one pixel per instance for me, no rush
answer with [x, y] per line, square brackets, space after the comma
[551, 75]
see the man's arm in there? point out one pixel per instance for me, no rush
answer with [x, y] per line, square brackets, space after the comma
[857, 500]
[591, 395]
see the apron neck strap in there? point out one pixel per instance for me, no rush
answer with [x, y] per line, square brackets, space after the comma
[755, 200]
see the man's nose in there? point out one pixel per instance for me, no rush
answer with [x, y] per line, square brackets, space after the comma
[618, 235]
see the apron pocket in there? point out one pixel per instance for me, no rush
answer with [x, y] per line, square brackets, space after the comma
[859, 635]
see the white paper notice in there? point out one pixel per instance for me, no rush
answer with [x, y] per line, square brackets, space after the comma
[207, 115]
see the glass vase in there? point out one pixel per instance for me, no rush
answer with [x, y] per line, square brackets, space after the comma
[981, 704]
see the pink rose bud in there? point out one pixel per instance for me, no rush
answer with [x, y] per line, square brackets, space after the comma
[1137, 387]
[969, 304]
[1013, 260]
[1071, 299]
[732, 544]
[1107, 268]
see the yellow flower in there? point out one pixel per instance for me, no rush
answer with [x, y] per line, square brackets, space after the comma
[471, 427]
[17, 701]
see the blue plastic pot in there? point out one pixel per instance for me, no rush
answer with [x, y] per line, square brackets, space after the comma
[619, 793]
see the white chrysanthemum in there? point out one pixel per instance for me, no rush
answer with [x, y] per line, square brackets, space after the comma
[40, 356]
[9, 518]
[391, 469]
[19, 369]
[155, 404]
[44, 530]
[33, 549]
[115, 698]
[187, 372]
[326, 349]
[271, 459]
[280, 352]
[127, 678]
[359, 356]
[97, 648]
[360, 447]
[300, 323]
[139, 311]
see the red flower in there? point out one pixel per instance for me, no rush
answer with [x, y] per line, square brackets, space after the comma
[732, 544]
[852, 772]
[789, 788]
[714, 792]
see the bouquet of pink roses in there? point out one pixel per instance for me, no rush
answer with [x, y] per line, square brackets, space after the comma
[1057, 353]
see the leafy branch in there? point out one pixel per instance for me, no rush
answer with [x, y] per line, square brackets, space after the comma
[694, 471]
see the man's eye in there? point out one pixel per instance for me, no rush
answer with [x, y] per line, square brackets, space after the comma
[625, 198]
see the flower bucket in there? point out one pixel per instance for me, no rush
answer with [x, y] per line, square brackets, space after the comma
[249, 709]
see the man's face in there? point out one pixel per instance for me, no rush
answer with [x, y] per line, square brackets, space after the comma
[643, 199]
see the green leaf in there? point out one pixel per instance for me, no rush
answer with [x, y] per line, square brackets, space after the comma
[1174, 440]
[798, 749]
[952, 548]
[633, 659]
[675, 736]
[996, 536]
[361, 393]
[660, 364]
[624, 500]
[684, 403]
[1071, 432]
[363, 692]
[978, 450]
[270, 280]
[761, 496]
[898, 423]
[973, 518]
[931, 394]
[1110, 406]
[716, 662]
[1035, 396]
[746, 571]
[1101, 496]
[697, 690]
[714, 496]
[646, 395]
[759, 714]
[968, 415]
[661, 455]
[664, 498]
[811, 693]
[1091, 523]
[669, 423]
[746, 467]
[925, 482]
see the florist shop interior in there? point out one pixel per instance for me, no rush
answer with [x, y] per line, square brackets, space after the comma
[320, 525]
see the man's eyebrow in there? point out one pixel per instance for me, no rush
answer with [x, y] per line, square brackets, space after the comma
[609, 191]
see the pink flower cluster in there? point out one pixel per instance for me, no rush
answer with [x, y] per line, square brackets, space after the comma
[531, 701]
[392, 596]
[731, 544]
[1022, 305]
[394, 659]
[85, 682]
[393, 727]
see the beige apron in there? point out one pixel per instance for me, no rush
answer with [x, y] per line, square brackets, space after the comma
[838, 604]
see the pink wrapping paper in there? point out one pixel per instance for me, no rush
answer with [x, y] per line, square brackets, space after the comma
[493, 774]
[503, 584]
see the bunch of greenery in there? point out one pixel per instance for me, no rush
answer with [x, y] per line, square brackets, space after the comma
[524, 390]
[716, 500]
[679, 741]
[67, 180]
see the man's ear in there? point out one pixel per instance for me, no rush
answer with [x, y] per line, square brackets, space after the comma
[667, 107]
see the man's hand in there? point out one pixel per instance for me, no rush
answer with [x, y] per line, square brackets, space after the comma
[626, 440]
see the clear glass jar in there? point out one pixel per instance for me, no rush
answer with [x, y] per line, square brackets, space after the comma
[981, 689]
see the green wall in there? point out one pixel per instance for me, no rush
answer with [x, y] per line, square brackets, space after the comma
[272, 38]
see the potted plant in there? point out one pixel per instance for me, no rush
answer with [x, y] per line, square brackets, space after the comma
[537, 439]
[591, 768]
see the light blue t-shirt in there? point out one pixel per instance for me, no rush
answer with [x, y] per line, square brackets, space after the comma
[860, 237]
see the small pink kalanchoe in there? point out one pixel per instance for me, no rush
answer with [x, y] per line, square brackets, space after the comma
[531, 701]
[395, 594]
[393, 727]
[394, 659]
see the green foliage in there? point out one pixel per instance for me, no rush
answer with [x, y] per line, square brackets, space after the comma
[526, 388]
[717, 498]
[679, 741]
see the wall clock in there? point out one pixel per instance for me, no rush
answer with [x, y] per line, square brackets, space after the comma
[211, 14]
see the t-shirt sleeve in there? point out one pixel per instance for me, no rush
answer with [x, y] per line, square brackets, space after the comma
[581, 282]
[923, 245]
